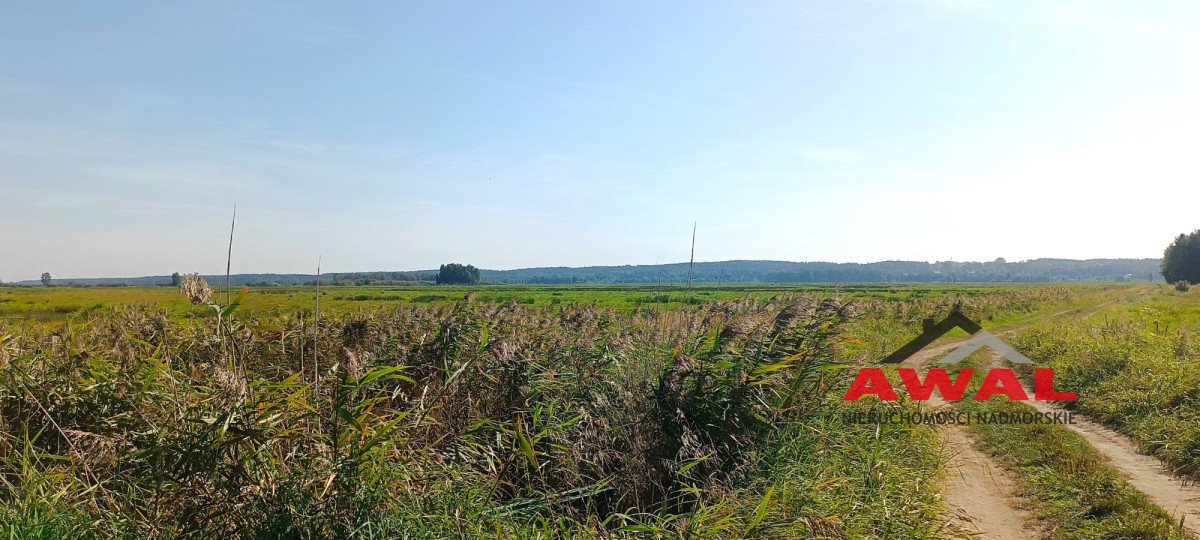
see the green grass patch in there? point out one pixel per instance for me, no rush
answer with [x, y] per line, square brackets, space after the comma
[1136, 368]
[1080, 496]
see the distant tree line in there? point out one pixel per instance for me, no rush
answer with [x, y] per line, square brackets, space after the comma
[368, 278]
[999, 270]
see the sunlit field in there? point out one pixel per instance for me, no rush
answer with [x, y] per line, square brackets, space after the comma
[482, 412]
[61, 303]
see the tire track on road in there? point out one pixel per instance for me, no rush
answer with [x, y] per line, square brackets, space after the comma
[1178, 495]
[981, 496]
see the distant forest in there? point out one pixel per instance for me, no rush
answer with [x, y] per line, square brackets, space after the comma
[1037, 270]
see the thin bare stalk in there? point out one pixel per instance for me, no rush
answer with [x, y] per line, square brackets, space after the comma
[317, 345]
[317, 322]
[229, 255]
[691, 262]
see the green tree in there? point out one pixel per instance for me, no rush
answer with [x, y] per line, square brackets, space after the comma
[457, 274]
[175, 279]
[1181, 259]
[46, 278]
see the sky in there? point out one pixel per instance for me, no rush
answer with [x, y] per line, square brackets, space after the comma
[392, 136]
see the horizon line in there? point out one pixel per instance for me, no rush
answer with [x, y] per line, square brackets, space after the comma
[1005, 261]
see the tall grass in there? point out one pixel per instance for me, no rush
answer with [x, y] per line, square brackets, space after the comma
[463, 420]
[1075, 491]
[1135, 369]
[471, 419]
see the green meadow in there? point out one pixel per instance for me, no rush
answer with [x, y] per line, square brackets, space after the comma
[61, 303]
[542, 411]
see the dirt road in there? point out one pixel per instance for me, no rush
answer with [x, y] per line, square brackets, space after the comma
[1178, 496]
[981, 496]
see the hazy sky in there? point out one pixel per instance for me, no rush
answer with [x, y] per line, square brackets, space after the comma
[403, 135]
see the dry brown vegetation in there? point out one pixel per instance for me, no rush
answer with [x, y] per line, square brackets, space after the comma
[221, 427]
[464, 420]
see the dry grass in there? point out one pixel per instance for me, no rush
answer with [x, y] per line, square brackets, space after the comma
[471, 419]
[580, 413]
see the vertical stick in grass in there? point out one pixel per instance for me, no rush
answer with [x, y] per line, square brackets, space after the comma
[317, 348]
[229, 254]
[691, 261]
[317, 321]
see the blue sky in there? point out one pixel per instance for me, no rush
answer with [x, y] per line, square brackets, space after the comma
[404, 135]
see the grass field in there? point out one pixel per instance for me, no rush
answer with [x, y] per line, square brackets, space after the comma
[1135, 370]
[523, 412]
[1139, 358]
[1077, 494]
[59, 303]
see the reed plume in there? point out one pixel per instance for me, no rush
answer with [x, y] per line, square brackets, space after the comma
[195, 288]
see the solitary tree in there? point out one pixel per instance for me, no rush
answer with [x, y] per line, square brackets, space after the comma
[1181, 260]
[175, 279]
[46, 278]
[457, 274]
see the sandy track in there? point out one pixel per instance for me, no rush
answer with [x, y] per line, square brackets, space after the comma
[982, 497]
[1178, 496]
